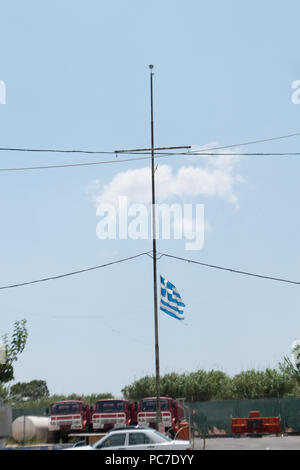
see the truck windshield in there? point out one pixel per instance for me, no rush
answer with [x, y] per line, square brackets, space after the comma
[110, 406]
[65, 408]
[150, 405]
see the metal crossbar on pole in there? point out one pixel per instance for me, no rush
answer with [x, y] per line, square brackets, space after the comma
[156, 149]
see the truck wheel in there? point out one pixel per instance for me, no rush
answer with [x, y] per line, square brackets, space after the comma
[51, 437]
[56, 437]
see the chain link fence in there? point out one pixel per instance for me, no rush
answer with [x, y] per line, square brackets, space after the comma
[214, 417]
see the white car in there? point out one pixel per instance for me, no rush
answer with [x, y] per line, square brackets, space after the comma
[136, 438]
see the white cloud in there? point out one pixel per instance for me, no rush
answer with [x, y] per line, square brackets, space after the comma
[135, 184]
[203, 176]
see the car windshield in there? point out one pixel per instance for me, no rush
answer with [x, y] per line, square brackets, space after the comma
[97, 444]
[65, 408]
[110, 406]
[150, 405]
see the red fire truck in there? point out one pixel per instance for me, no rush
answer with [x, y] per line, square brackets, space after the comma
[171, 411]
[113, 412]
[68, 416]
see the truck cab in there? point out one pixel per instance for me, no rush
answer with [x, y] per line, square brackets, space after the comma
[171, 412]
[68, 416]
[113, 412]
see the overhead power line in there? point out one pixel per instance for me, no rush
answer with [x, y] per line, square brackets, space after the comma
[203, 152]
[71, 165]
[165, 155]
[72, 273]
[105, 152]
[149, 253]
[96, 152]
[245, 273]
[22, 149]
[253, 142]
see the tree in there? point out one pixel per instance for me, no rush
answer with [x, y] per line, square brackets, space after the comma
[4, 393]
[195, 386]
[260, 384]
[34, 390]
[91, 399]
[144, 387]
[12, 350]
[206, 385]
[290, 368]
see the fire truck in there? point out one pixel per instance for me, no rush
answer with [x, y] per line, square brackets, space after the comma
[171, 411]
[111, 413]
[68, 416]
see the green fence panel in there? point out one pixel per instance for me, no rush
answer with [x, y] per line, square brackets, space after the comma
[291, 414]
[16, 412]
[211, 416]
[267, 407]
[214, 417]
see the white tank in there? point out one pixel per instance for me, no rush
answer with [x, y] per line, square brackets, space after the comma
[26, 428]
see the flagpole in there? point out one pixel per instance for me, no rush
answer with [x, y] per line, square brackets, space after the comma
[157, 372]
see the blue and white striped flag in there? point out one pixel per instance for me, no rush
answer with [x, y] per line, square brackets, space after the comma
[170, 301]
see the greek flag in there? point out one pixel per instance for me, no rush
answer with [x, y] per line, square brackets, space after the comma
[170, 300]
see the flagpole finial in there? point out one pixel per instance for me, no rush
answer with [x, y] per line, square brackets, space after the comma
[151, 66]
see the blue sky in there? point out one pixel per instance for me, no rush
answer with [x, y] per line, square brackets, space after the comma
[77, 76]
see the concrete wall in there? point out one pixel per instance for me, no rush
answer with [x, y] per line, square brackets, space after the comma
[5, 421]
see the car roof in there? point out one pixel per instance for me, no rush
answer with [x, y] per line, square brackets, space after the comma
[131, 428]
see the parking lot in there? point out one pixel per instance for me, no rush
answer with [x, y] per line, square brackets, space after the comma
[250, 443]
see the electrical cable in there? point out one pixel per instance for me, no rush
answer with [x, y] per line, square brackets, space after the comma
[39, 150]
[20, 149]
[70, 165]
[73, 272]
[253, 142]
[149, 253]
[261, 276]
